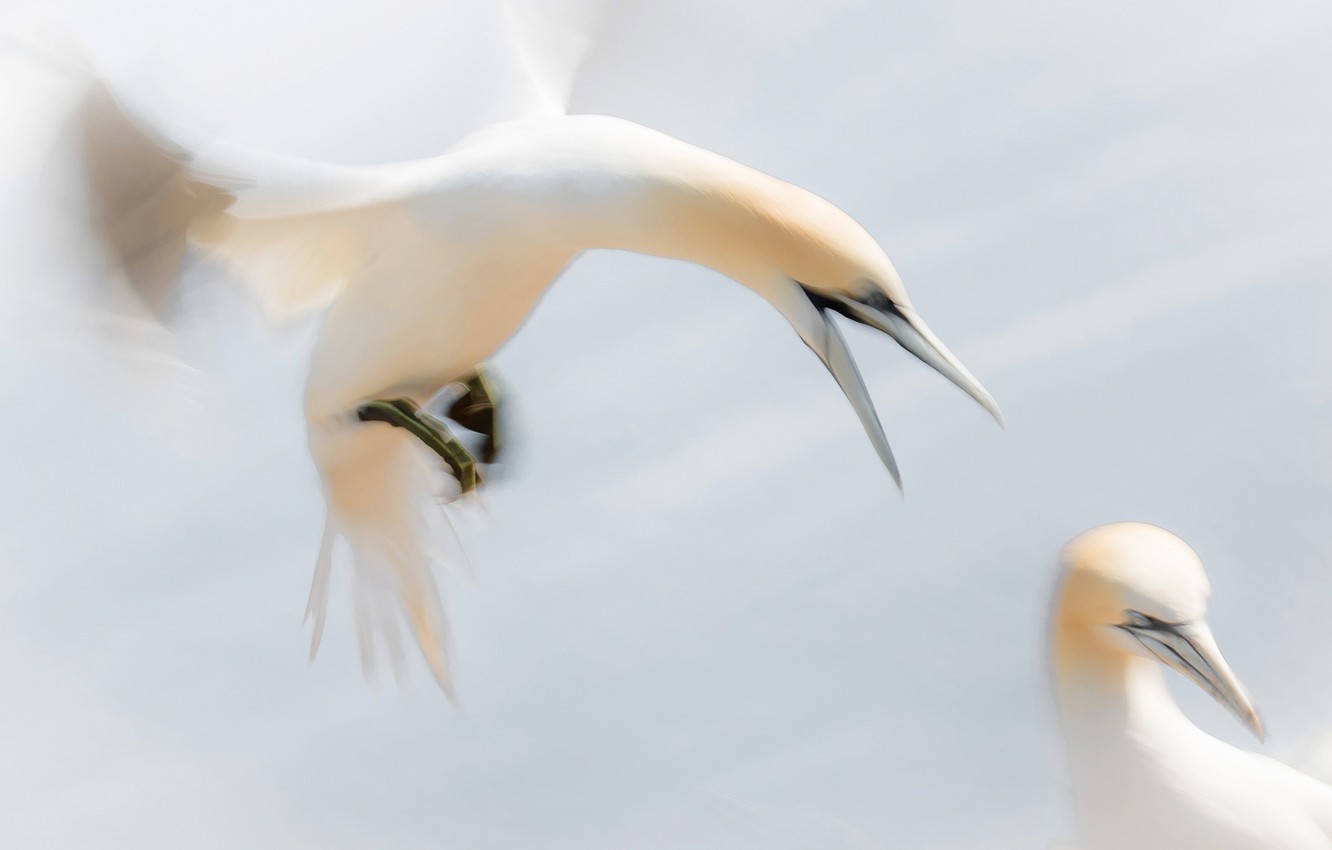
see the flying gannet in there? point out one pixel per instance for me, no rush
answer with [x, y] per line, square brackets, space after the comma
[425, 269]
[1134, 597]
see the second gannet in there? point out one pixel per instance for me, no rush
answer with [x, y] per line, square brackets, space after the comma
[1134, 598]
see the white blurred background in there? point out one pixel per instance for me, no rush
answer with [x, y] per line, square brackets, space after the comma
[702, 617]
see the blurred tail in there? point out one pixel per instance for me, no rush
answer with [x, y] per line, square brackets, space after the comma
[384, 504]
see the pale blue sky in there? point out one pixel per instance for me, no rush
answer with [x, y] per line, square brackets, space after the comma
[702, 617]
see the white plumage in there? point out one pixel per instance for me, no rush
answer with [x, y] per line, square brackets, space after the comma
[426, 269]
[1134, 597]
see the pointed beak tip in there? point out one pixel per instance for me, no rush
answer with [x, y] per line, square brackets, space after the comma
[1189, 648]
[982, 396]
[1255, 724]
[896, 475]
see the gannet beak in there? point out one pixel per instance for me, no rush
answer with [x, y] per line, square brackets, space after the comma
[905, 326]
[1191, 649]
[837, 357]
[910, 331]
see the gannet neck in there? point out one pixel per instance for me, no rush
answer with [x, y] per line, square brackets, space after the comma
[1103, 690]
[1119, 725]
[742, 223]
[591, 182]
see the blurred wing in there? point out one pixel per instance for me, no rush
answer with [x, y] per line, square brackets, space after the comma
[665, 65]
[143, 197]
[296, 230]
[689, 67]
[57, 291]
[550, 39]
[103, 208]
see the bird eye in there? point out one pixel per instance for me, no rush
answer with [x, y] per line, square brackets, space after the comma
[1137, 618]
[879, 301]
[872, 296]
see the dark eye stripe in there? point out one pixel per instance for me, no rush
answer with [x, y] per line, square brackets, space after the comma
[879, 301]
[872, 297]
[1197, 674]
[1139, 620]
[822, 302]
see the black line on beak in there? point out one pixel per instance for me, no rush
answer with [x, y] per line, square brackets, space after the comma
[873, 299]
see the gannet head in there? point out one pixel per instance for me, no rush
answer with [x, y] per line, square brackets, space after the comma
[813, 261]
[1139, 589]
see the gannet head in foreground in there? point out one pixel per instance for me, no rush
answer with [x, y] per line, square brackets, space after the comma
[1134, 599]
[811, 260]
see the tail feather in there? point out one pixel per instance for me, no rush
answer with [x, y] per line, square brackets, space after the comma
[379, 485]
[316, 608]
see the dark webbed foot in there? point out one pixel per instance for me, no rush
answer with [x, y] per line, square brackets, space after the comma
[478, 410]
[406, 414]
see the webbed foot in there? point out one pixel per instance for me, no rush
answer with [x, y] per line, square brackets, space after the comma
[478, 410]
[406, 414]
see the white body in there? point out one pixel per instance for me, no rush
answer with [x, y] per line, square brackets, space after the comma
[1144, 776]
[427, 268]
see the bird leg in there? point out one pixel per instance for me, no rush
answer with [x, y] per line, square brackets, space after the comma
[406, 414]
[478, 410]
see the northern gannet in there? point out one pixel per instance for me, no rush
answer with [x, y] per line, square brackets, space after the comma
[425, 269]
[1134, 597]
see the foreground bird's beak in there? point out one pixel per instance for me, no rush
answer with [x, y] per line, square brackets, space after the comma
[837, 357]
[906, 327]
[910, 331]
[1191, 649]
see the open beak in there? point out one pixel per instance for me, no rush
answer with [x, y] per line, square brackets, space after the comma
[910, 331]
[906, 327]
[837, 357]
[1191, 649]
